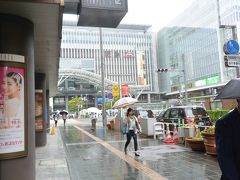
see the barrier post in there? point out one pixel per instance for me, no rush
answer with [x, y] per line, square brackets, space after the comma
[168, 135]
[175, 135]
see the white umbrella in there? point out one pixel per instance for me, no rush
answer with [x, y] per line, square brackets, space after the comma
[123, 102]
[83, 112]
[93, 110]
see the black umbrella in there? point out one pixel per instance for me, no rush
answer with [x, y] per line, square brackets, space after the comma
[231, 90]
[63, 112]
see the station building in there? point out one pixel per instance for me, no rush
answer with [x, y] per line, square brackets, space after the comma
[129, 56]
[191, 47]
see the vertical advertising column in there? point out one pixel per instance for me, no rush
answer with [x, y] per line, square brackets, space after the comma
[13, 116]
[17, 132]
[40, 112]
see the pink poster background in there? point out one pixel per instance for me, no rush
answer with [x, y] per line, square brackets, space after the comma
[12, 127]
[5, 70]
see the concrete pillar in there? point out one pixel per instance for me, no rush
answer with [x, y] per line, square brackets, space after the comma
[66, 102]
[95, 101]
[16, 37]
[149, 97]
[47, 112]
[66, 96]
[40, 83]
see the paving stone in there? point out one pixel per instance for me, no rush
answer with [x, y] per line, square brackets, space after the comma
[83, 158]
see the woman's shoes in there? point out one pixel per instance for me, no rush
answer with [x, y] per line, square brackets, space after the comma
[137, 154]
[125, 150]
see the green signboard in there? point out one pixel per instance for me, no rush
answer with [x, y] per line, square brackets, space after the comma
[213, 80]
[207, 81]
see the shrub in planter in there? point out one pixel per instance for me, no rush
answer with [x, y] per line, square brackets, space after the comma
[216, 114]
[196, 143]
[209, 140]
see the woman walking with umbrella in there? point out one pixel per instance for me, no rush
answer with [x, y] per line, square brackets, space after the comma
[64, 114]
[133, 128]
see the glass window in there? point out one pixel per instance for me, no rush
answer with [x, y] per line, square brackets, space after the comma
[143, 114]
[166, 115]
[174, 113]
[191, 112]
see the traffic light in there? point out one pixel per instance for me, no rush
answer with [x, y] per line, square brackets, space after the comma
[162, 70]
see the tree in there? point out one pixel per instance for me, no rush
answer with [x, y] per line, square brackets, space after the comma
[76, 102]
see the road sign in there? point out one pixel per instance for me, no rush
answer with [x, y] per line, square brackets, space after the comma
[231, 47]
[232, 57]
[232, 60]
[232, 63]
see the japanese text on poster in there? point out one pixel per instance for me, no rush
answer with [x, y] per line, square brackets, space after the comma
[11, 110]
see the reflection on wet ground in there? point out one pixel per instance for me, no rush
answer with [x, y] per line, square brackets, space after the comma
[89, 159]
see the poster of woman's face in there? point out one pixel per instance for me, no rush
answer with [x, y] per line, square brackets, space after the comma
[11, 108]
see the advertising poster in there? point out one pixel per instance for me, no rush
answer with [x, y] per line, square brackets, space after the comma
[39, 110]
[12, 114]
[140, 67]
[115, 90]
[124, 90]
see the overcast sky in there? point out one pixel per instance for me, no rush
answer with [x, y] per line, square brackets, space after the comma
[154, 12]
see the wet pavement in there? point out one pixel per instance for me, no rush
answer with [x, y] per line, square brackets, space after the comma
[98, 155]
[51, 162]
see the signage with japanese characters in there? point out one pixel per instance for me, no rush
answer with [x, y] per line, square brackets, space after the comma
[231, 49]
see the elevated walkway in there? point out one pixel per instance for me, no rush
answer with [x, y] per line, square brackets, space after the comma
[80, 74]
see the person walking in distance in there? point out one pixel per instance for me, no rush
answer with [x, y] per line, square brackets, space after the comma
[64, 116]
[55, 118]
[133, 128]
[93, 117]
[94, 120]
[227, 144]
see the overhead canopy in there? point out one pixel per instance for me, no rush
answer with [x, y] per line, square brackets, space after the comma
[101, 13]
[47, 15]
[47, 18]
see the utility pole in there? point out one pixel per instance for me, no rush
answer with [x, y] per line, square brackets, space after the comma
[104, 119]
[220, 53]
[234, 36]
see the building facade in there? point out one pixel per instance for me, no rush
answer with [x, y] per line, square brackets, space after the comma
[128, 56]
[191, 47]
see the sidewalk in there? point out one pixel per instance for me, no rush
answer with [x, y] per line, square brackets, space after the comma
[51, 161]
[76, 152]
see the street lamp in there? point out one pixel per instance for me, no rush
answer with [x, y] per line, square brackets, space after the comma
[104, 117]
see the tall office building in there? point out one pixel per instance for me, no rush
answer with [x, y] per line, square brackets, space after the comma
[128, 55]
[191, 46]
